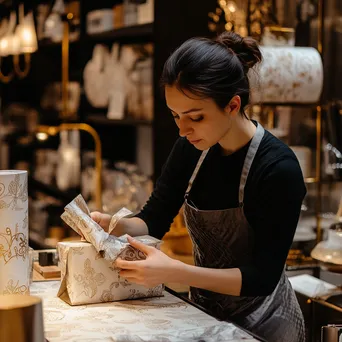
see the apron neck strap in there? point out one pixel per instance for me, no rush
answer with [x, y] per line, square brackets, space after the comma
[194, 174]
[252, 150]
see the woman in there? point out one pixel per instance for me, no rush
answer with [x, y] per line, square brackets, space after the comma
[243, 190]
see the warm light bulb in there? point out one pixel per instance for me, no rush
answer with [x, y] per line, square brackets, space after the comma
[42, 136]
[231, 6]
[4, 46]
[15, 43]
[28, 36]
[222, 3]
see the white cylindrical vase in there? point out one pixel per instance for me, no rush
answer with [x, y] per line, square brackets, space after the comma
[287, 74]
[14, 256]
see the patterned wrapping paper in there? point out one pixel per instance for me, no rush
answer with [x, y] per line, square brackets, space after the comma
[287, 75]
[166, 318]
[14, 259]
[88, 274]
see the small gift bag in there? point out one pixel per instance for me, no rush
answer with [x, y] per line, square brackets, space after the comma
[88, 274]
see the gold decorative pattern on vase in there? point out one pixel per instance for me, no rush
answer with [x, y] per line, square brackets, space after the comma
[12, 288]
[89, 280]
[14, 261]
[13, 245]
[16, 192]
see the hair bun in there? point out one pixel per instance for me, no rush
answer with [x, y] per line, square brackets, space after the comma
[246, 49]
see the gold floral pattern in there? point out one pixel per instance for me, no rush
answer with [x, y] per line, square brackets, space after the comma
[2, 189]
[12, 288]
[53, 315]
[78, 250]
[14, 261]
[158, 324]
[86, 286]
[135, 294]
[109, 295]
[16, 192]
[131, 254]
[13, 245]
[99, 253]
[155, 291]
[89, 280]
[165, 318]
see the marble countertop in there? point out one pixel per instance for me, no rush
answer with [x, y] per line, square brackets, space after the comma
[163, 319]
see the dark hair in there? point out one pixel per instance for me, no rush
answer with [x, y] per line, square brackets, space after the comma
[214, 69]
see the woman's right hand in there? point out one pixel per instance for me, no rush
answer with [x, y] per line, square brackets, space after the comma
[102, 219]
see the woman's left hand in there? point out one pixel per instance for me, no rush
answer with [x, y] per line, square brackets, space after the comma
[156, 269]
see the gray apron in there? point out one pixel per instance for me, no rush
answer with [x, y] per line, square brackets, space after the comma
[224, 239]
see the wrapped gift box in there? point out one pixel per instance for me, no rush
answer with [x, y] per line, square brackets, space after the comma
[88, 272]
[86, 277]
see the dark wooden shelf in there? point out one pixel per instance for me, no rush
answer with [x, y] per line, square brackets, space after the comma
[46, 43]
[100, 119]
[144, 30]
[65, 196]
[136, 31]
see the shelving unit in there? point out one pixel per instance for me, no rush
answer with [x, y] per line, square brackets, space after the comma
[174, 22]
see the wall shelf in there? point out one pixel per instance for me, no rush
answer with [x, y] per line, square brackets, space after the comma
[100, 119]
[142, 31]
[50, 190]
[136, 31]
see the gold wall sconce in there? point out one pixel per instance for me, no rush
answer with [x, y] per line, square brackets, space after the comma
[18, 39]
[44, 131]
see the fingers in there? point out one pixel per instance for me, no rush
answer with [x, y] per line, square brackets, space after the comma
[129, 265]
[134, 277]
[128, 274]
[96, 216]
[139, 245]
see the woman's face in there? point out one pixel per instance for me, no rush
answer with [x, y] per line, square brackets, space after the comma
[201, 121]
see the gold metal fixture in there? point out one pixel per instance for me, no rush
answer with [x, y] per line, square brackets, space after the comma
[65, 66]
[16, 64]
[310, 180]
[319, 127]
[281, 29]
[5, 78]
[53, 130]
[270, 119]
[16, 68]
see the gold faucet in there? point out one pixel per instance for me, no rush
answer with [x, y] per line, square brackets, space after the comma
[53, 130]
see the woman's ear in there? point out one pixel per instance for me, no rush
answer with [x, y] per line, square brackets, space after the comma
[234, 105]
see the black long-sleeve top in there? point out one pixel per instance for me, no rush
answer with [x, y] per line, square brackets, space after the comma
[274, 192]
